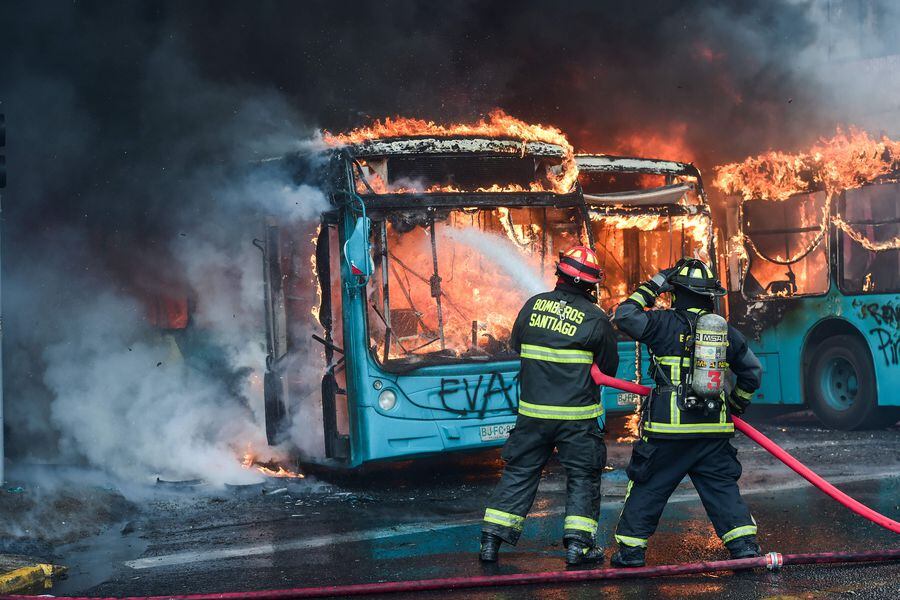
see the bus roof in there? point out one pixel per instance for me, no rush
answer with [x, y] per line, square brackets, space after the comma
[383, 148]
[600, 163]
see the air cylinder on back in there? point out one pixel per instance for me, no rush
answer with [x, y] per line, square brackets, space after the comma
[710, 364]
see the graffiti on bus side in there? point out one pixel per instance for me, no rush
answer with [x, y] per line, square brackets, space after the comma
[884, 315]
[887, 318]
[478, 393]
[888, 344]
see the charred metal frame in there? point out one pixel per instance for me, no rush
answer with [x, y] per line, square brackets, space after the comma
[610, 204]
[828, 240]
[429, 207]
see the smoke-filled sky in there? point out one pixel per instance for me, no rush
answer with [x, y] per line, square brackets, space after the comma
[128, 124]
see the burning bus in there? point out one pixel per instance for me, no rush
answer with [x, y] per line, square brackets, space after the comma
[433, 242]
[644, 215]
[814, 275]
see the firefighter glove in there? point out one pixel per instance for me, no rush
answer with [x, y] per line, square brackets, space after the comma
[738, 402]
[661, 280]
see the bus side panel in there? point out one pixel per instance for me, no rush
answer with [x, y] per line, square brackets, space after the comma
[780, 349]
[877, 317]
[439, 409]
[770, 391]
[781, 346]
[408, 438]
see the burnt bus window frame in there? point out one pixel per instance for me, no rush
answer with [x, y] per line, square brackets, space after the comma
[841, 236]
[825, 244]
[379, 206]
[668, 211]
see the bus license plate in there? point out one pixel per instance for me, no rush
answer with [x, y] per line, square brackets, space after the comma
[499, 431]
[627, 399]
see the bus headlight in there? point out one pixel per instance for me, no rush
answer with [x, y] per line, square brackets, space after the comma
[387, 399]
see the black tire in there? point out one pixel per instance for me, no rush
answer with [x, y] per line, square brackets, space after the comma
[274, 406]
[840, 385]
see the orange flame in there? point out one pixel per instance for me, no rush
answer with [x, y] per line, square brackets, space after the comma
[844, 161]
[269, 468]
[498, 124]
[479, 297]
[632, 428]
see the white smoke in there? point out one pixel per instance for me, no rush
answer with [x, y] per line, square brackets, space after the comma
[501, 252]
[127, 397]
[127, 400]
[136, 401]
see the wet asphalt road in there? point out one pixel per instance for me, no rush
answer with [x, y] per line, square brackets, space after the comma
[415, 521]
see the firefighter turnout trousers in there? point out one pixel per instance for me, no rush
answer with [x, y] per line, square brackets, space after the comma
[581, 451]
[657, 467]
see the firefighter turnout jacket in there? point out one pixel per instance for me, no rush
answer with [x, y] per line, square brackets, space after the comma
[676, 443]
[667, 335]
[559, 335]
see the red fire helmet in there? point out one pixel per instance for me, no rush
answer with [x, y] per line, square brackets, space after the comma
[581, 264]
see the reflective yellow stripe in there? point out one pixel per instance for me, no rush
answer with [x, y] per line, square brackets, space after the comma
[560, 413]
[739, 532]
[498, 517]
[631, 541]
[580, 523]
[674, 361]
[742, 394]
[639, 298]
[689, 427]
[581, 357]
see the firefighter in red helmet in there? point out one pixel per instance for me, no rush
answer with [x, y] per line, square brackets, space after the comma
[558, 334]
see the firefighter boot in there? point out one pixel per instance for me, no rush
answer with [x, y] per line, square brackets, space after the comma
[628, 556]
[744, 547]
[577, 553]
[490, 546]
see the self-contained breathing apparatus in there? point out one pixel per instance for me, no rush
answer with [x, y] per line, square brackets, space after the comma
[701, 385]
[704, 347]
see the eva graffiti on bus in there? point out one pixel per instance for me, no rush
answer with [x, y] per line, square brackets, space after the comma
[477, 394]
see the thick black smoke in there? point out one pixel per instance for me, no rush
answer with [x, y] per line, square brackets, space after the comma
[129, 122]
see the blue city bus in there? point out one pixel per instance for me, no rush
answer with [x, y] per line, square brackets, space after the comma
[401, 349]
[814, 283]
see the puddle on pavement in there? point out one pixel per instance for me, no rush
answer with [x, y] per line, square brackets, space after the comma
[94, 560]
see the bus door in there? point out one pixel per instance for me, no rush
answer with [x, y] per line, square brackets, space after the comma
[304, 386]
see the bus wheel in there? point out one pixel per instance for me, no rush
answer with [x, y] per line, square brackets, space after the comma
[841, 384]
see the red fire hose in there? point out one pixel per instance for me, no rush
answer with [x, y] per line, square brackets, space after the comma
[774, 449]
[773, 561]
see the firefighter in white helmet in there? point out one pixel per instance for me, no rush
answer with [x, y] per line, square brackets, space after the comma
[686, 421]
